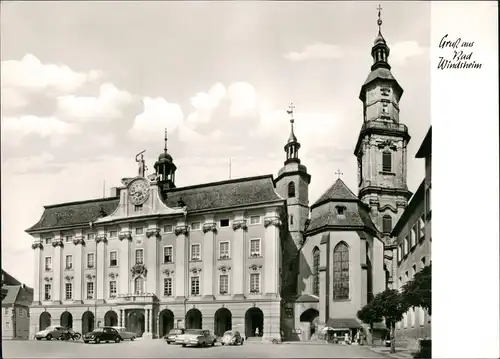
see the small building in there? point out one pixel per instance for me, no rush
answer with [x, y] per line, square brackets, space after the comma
[15, 308]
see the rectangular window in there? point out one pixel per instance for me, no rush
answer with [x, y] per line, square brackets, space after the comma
[139, 256]
[167, 287]
[386, 162]
[254, 247]
[254, 283]
[254, 219]
[224, 222]
[195, 226]
[7, 325]
[6, 311]
[195, 252]
[168, 228]
[20, 312]
[224, 250]
[48, 263]
[168, 254]
[69, 239]
[113, 234]
[90, 260]
[138, 208]
[113, 258]
[48, 292]
[224, 284]
[195, 285]
[112, 289]
[90, 290]
[68, 291]
[69, 262]
[48, 240]
[139, 230]
[91, 236]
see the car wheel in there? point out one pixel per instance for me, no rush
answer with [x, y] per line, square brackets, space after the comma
[48, 337]
[213, 343]
[117, 339]
[97, 340]
[38, 338]
[132, 339]
[183, 345]
[86, 341]
[222, 343]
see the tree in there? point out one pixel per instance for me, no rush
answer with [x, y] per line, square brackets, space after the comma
[369, 316]
[418, 291]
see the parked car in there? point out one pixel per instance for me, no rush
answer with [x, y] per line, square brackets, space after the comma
[172, 335]
[102, 334]
[125, 334]
[232, 337]
[49, 333]
[196, 337]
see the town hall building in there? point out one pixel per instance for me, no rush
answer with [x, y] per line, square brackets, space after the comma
[249, 254]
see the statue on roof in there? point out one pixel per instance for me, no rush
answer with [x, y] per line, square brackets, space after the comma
[142, 164]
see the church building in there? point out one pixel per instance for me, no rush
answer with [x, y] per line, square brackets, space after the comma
[249, 254]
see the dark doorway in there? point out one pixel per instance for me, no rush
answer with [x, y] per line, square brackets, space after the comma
[111, 319]
[310, 316]
[254, 322]
[45, 320]
[87, 322]
[67, 320]
[166, 322]
[222, 321]
[136, 322]
[193, 319]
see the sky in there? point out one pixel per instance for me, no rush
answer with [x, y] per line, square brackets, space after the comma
[85, 86]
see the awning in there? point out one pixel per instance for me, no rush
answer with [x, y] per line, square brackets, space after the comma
[343, 323]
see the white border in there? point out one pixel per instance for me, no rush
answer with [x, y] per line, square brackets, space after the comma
[464, 107]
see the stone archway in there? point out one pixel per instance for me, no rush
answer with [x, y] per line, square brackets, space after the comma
[111, 319]
[67, 319]
[194, 319]
[310, 316]
[254, 322]
[136, 322]
[87, 322]
[45, 320]
[222, 321]
[166, 322]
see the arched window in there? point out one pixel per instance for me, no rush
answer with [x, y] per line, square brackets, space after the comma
[387, 224]
[315, 271]
[341, 272]
[421, 316]
[291, 189]
[139, 285]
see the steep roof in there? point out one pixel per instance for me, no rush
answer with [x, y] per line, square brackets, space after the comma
[8, 279]
[337, 192]
[232, 193]
[17, 294]
[74, 213]
[12, 292]
[426, 147]
[380, 73]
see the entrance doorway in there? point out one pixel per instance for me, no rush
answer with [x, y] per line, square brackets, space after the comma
[193, 319]
[67, 320]
[254, 322]
[222, 321]
[111, 319]
[45, 320]
[310, 316]
[136, 322]
[87, 322]
[166, 322]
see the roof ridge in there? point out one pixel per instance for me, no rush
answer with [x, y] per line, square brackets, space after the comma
[81, 202]
[229, 181]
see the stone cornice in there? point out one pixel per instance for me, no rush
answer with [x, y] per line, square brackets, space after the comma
[57, 243]
[101, 238]
[125, 235]
[181, 230]
[210, 227]
[240, 224]
[79, 240]
[37, 245]
[153, 232]
[274, 221]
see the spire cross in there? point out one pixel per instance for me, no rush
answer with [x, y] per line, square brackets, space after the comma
[379, 21]
[291, 111]
[338, 173]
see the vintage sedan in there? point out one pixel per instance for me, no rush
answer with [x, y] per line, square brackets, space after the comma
[172, 335]
[49, 333]
[102, 334]
[125, 334]
[196, 338]
[232, 337]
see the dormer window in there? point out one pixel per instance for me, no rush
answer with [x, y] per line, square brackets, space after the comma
[340, 210]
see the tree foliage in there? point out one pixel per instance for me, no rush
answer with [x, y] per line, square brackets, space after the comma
[418, 291]
[368, 315]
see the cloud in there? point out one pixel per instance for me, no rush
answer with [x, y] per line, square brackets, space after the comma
[404, 50]
[205, 103]
[107, 106]
[317, 51]
[30, 74]
[157, 115]
[15, 129]
[23, 165]
[244, 101]
[12, 99]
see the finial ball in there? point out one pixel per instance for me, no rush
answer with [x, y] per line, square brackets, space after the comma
[379, 22]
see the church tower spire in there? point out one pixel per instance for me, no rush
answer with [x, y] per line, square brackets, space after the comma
[292, 146]
[165, 168]
[382, 142]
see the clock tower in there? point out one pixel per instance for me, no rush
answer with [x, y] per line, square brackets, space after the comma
[381, 149]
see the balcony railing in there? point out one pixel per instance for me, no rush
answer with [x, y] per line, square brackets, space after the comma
[137, 297]
[385, 126]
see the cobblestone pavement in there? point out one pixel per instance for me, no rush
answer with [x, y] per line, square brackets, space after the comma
[160, 349]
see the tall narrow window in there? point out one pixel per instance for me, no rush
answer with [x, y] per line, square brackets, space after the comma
[386, 162]
[195, 252]
[90, 260]
[113, 258]
[48, 292]
[139, 256]
[69, 262]
[68, 291]
[195, 285]
[224, 284]
[139, 285]
[168, 254]
[90, 290]
[315, 271]
[291, 189]
[421, 227]
[387, 224]
[341, 271]
[224, 250]
[112, 289]
[255, 283]
[167, 287]
[413, 235]
[48, 263]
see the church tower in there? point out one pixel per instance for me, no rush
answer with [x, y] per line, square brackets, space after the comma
[292, 183]
[165, 169]
[382, 143]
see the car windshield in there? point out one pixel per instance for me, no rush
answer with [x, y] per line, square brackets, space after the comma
[175, 331]
[229, 332]
[97, 330]
[194, 331]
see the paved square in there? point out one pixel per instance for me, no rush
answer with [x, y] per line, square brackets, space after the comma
[160, 349]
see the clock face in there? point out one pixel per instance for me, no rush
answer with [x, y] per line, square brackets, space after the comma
[138, 192]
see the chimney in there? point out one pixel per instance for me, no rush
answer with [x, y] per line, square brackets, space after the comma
[113, 192]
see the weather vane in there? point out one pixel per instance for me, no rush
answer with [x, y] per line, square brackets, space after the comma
[291, 111]
[379, 21]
